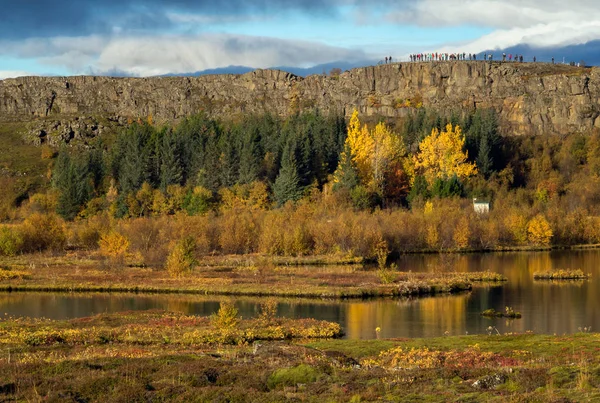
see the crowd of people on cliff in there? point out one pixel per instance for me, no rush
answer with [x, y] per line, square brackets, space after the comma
[443, 57]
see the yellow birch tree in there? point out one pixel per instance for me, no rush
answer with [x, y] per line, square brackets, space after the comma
[441, 155]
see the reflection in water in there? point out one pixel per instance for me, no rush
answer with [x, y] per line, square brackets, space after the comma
[547, 307]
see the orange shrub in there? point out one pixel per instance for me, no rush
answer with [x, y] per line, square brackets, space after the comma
[43, 232]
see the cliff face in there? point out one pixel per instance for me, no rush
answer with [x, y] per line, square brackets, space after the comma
[530, 98]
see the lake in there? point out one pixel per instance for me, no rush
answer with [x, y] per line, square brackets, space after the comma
[547, 307]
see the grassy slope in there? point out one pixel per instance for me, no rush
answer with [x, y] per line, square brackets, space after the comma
[22, 169]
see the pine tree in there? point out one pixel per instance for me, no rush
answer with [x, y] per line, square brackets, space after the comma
[171, 169]
[250, 157]
[287, 185]
[74, 183]
[345, 176]
[485, 160]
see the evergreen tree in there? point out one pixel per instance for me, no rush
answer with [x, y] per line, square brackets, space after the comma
[420, 189]
[171, 169]
[346, 176]
[250, 157]
[134, 162]
[287, 185]
[73, 181]
[485, 160]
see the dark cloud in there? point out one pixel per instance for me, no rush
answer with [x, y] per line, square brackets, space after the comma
[21, 19]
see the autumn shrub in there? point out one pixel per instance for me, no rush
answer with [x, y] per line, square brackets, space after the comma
[43, 232]
[271, 238]
[297, 238]
[517, 225]
[539, 231]
[87, 233]
[114, 246]
[238, 231]
[268, 311]
[182, 258]
[592, 229]
[44, 203]
[144, 235]
[204, 229]
[11, 241]
[226, 317]
[462, 233]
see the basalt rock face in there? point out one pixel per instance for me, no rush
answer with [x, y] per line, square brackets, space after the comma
[530, 98]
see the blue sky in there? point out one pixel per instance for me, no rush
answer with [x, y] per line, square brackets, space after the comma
[153, 37]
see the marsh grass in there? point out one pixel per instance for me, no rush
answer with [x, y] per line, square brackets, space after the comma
[256, 276]
[561, 275]
[159, 355]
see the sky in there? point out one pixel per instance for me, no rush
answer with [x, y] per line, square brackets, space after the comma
[156, 37]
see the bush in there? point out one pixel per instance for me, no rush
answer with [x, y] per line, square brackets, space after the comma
[181, 260]
[539, 231]
[226, 317]
[144, 235]
[86, 233]
[238, 232]
[11, 241]
[43, 232]
[114, 246]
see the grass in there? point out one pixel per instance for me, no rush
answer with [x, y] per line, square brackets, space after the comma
[150, 356]
[561, 275]
[82, 272]
[508, 313]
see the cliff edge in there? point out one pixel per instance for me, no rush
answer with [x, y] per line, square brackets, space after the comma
[530, 98]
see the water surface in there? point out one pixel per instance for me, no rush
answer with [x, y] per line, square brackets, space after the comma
[547, 307]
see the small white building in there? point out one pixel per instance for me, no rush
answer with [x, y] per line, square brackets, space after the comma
[480, 206]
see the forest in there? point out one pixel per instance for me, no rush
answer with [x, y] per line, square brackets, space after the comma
[312, 184]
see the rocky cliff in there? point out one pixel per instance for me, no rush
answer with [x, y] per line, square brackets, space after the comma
[530, 98]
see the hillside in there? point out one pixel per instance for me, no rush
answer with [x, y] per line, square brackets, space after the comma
[529, 98]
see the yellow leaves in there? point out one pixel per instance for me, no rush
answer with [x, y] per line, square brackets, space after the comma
[441, 155]
[462, 233]
[539, 231]
[114, 245]
[377, 155]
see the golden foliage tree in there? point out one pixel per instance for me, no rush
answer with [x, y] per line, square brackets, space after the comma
[360, 144]
[378, 157]
[114, 246]
[462, 233]
[441, 155]
[181, 260]
[539, 231]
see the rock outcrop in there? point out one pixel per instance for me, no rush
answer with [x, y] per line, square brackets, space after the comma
[530, 98]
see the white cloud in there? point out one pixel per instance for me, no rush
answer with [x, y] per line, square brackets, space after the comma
[13, 74]
[156, 55]
[538, 23]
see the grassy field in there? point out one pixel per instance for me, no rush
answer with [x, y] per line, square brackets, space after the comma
[160, 356]
[81, 272]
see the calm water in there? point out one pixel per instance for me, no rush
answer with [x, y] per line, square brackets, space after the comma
[547, 307]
